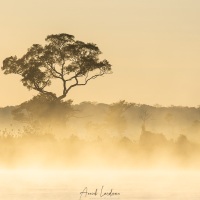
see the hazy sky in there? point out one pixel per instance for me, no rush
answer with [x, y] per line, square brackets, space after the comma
[153, 45]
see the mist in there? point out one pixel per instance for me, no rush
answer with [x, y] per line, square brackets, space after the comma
[92, 135]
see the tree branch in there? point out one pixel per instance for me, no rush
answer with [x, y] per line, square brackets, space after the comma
[86, 80]
[39, 89]
[54, 70]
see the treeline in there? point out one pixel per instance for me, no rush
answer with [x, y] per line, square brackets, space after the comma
[90, 120]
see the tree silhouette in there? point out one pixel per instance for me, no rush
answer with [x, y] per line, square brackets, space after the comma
[115, 117]
[72, 62]
[144, 115]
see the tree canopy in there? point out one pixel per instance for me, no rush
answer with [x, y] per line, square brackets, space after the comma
[43, 110]
[72, 62]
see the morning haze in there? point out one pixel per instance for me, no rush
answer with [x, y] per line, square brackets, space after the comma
[152, 45]
[118, 133]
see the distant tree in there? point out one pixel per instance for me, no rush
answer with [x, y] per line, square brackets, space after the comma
[150, 140]
[157, 105]
[72, 62]
[182, 140]
[184, 148]
[144, 115]
[115, 118]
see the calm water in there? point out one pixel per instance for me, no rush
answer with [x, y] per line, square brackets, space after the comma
[67, 185]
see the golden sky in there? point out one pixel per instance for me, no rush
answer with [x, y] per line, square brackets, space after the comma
[153, 45]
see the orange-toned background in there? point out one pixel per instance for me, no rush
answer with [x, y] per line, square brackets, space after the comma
[153, 45]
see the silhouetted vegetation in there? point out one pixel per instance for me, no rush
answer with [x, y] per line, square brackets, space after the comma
[44, 113]
[73, 63]
[98, 135]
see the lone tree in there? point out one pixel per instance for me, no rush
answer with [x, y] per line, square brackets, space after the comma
[72, 62]
[144, 115]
